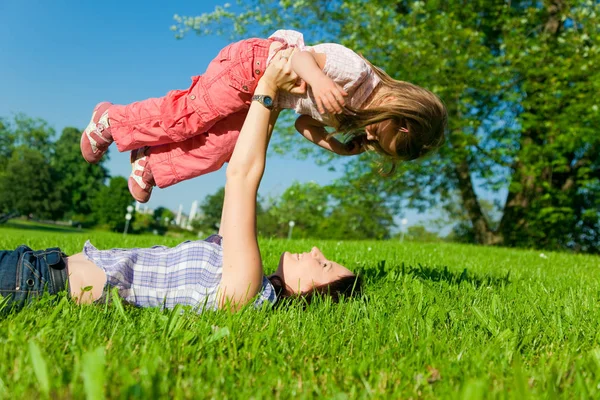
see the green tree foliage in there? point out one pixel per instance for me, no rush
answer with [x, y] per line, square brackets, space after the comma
[157, 222]
[6, 142]
[210, 215]
[79, 181]
[163, 215]
[304, 203]
[144, 223]
[357, 213]
[50, 180]
[520, 81]
[26, 176]
[24, 131]
[110, 204]
[27, 185]
[325, 212]
[330, 212]
[210, 209]
[420, 233]
[267, 224]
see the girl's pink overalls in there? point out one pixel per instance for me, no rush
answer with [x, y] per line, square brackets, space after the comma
[193, 132]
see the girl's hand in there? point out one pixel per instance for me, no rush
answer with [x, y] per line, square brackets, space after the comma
[279, 74]
[329, 95]
[315, 132]
[354, 146]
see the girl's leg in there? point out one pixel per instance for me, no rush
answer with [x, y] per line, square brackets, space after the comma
[171, 163]
[156, 121]
[224, 89]
[152, 122]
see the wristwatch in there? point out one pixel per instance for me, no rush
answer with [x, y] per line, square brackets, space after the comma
[265, 100]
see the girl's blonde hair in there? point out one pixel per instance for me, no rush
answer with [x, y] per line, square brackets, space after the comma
[419, 115]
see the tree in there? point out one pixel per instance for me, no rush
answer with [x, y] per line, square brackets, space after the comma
[25, 131]
[357, 213]
[519, 82]
[6, 144]
[27, 185]
[338, 211]
[304, 203]
[267, 223]
[211, 208]
[110, 204]
[143, 223]
[420, 233]
[79, 181]
[163, 215]
[162, 218]
[33, 133]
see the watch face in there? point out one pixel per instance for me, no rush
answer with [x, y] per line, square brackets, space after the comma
[268, 101]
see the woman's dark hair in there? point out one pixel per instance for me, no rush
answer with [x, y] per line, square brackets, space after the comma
[347, 286]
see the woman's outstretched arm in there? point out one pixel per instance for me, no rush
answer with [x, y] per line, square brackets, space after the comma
[242, 265]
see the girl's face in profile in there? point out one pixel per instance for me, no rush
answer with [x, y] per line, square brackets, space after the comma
[385, 133]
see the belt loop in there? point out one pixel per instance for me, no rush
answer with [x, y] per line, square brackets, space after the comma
[58, 274]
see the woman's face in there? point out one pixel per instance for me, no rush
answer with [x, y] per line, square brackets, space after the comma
[301, 272]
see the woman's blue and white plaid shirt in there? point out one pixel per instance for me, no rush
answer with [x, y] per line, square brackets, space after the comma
[160, 276]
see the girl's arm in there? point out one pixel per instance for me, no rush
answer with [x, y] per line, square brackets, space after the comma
[329, 96]
[314, 131]
[242, 265]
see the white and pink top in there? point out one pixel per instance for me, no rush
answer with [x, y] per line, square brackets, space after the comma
[343, 65]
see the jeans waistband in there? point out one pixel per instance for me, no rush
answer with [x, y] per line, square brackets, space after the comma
[57, 269]
[59, 273]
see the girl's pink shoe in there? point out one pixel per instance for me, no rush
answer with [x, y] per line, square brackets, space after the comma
[140, 181]
[96, 138]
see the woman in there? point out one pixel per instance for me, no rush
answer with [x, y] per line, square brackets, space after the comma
[223, 271]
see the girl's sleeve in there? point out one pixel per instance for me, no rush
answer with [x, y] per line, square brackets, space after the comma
[289, 37]
[350, 71]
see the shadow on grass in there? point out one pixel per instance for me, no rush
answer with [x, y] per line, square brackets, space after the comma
[40, 227]
[427, 273]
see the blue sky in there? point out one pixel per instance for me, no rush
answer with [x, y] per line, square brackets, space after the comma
[61, 57]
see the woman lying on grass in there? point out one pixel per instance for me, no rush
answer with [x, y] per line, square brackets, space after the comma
[223, 271]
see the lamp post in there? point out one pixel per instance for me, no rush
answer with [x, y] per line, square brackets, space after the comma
[291, 224]
[404, 221]
[127, 219]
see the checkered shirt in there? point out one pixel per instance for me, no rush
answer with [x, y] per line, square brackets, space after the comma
[344, 66]
[160, 276]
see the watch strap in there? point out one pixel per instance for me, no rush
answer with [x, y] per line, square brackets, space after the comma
[261, 99]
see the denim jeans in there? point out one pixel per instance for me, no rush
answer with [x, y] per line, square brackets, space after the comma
[25, 273]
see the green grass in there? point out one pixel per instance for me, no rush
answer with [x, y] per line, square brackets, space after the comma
[436, 321]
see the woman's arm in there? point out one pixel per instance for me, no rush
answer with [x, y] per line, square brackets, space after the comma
[314, 131]
[242, 265]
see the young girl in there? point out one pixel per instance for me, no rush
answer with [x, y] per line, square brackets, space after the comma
[192, 132]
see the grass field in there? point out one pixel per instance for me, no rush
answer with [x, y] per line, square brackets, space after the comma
[436, 321]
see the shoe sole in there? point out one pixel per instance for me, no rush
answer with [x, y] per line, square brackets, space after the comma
[83, 135]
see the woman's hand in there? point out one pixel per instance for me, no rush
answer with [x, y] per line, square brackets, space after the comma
[279, 74]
